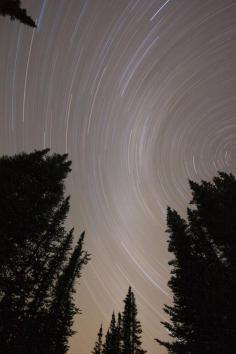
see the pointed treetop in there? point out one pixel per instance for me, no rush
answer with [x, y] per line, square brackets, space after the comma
[98, 345]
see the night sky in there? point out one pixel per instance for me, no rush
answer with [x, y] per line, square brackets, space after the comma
[142, 96]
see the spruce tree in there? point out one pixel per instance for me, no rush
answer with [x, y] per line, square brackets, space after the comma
[106, 348]
[111, 337]
[36, 254]
[203, 316]
[13, 9]
[184, 271]
[124, 335]
[62, 308]
[98, 347]
[118, 337]
[131, 327]
[214, 204]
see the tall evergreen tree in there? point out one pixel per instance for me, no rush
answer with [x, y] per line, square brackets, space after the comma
[131, 327]
[185, 270]
[124, 335]
[203, 316]
[13, 9]
[98, 347]
[38, 265]
[118, 337]
[214, 203]
[62, 308]
[106, 348]
[111, 337]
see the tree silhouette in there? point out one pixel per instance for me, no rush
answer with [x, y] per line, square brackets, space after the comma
[13, 9]
[111, 337]
[124, 335]
[203, 276]
[38, 265]
[131, 327]
[118, 337]
[98, 348]
[62, 308]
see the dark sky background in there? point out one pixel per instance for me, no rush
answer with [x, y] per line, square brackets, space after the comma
[142, 95]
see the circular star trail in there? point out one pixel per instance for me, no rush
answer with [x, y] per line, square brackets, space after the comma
[142, 96]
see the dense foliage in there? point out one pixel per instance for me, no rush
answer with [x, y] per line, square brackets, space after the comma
[203, 276]
[38, 262]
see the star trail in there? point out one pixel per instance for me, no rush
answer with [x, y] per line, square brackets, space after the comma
[142, 96]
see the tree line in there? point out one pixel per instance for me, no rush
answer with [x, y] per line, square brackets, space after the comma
[40, 261]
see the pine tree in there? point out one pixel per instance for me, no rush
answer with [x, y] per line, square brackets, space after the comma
[13, 9]
[106, 348]
[111, 337]
[214, 203]
[131, 327]
[41, 313]
[124, 335]
[98, 345]
[184, 271]
[203, 316]
[63, 309]
[118, 337]
[35, 254]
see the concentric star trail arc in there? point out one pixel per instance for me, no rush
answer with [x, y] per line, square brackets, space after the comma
[142, 96]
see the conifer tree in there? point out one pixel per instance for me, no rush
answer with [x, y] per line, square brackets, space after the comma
[106, 348]
[62, 308]
[183, 272]
[38, 265]
[124, 335]
[131, 327]
[98, 347]
[203, 315]
[111, 337]
[13, 9]
[118, 337]
[214, 204]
